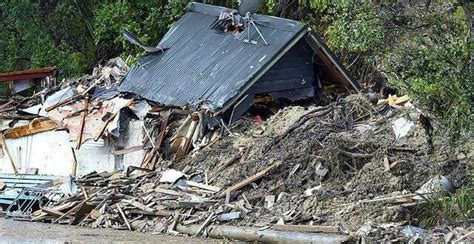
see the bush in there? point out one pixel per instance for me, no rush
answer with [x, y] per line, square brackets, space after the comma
[432, 65]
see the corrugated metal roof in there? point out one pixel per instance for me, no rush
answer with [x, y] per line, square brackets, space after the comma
[207, 67]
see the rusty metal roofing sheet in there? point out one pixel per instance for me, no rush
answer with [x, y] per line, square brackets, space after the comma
[28, 74]
[206, 67]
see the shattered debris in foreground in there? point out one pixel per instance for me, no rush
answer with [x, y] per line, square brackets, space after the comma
[349, 168]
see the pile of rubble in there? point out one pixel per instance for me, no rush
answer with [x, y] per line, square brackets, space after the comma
[349, 167]
[91, 108]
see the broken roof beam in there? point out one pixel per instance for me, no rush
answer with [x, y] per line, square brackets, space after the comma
[36, 126]
[330, 60]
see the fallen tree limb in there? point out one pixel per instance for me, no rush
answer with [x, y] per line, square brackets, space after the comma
[249, 180]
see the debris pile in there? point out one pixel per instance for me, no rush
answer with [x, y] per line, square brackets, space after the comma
[330, 169]
[91, 109]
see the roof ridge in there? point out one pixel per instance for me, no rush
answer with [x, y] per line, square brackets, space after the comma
[215, 10]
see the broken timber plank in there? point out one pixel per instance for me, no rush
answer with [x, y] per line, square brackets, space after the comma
[78, 206]
[74, 162]
[135, 148]
[139, 205]
[38, 125]
[16, 116]
[104, 126]
[205, 224]
[308, 228]
[63, 102]
[55, 208]
[52, 212]
[149, 161]
[249, 180]
[124, 217]
[163, 126]
[5, 147]
[83, 122]
[96, 208]
[203, 186]
[128, 150]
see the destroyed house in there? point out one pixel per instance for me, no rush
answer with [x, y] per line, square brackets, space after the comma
[203, 72]
[205, 67]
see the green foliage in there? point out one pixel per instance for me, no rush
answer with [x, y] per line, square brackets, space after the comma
[74, 36]
[440, 209]
[4, 91]
[357, 28]
[28, 43]
[433, 66]
[421, 47]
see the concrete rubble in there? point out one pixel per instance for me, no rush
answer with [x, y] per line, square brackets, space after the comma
[348, 169]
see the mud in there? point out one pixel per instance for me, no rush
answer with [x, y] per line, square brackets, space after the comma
[352, 138]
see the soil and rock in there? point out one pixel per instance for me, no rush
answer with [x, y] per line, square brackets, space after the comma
[354, 140]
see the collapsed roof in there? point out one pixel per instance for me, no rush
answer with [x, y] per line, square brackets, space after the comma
[201, 66]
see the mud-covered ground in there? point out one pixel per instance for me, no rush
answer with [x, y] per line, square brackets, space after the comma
[31, 232]
[352, 138]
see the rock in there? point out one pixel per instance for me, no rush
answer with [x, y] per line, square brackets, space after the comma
[401, 127]
[321, 170]
[283, 197]
[364, 230]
